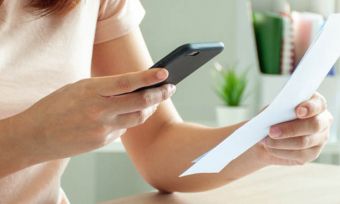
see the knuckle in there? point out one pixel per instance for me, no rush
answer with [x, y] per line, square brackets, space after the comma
[146, 99]
[140, 117]
[308, 156]
[303, 157]
[318, 104]
[323, 137]
[124, 83]
[323, 101]
[317, 124]
[314, 155]
[271, 143]
[165, 93]
[304, 142]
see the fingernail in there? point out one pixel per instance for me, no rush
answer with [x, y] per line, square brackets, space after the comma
[302, 112]
[275, 132]
[162, 74]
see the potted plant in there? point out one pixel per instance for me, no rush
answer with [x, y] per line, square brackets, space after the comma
[230, 86]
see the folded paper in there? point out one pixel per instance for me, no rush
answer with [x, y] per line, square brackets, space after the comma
[308, 76]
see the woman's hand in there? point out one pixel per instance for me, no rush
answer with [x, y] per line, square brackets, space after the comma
[89, 114]
[300, 141]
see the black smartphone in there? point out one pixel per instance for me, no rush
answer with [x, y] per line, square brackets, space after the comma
[186, 59]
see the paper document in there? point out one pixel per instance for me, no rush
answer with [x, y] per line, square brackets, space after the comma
[308, 76]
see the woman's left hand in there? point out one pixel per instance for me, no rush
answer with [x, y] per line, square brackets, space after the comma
[300, 141]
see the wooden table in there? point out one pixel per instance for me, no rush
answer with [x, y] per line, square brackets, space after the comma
[312, 183]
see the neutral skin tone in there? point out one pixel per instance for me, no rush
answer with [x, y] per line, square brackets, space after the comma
[93, 112]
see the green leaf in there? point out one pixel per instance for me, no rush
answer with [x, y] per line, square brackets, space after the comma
[230, 86]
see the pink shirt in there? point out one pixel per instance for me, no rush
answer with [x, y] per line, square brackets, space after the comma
[41, 54]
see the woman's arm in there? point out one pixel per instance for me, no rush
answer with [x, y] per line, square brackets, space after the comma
[14, 151]
[78, 118]
[164, 146]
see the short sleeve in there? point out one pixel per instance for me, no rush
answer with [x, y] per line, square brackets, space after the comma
[117, 18]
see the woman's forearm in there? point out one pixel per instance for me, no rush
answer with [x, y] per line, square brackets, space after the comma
[178, 144]
[14, 147]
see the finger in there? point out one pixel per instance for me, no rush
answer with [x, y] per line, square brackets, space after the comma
[297, 143]
[129, 120]
[140, 100]
[300, 156]
[126, 83]
[298, 127]
[316, 105]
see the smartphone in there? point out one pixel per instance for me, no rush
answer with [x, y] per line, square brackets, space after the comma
[186, 59]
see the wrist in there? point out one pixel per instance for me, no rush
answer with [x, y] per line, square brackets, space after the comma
[263, 158]
[14, 157]
[257, 153]
[19, 138]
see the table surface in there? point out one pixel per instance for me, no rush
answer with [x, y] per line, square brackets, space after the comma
[313, 183]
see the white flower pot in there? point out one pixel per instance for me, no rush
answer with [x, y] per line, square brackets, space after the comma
[231, 115]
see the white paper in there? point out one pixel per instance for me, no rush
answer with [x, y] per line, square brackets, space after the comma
[308, 76]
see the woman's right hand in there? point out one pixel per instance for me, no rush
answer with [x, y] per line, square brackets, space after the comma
[89, 114]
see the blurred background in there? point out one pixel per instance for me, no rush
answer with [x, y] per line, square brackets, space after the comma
[264, 41]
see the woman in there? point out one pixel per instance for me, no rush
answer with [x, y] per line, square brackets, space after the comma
[45, 45]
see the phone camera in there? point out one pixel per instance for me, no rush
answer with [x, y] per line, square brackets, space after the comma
[194, 53]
